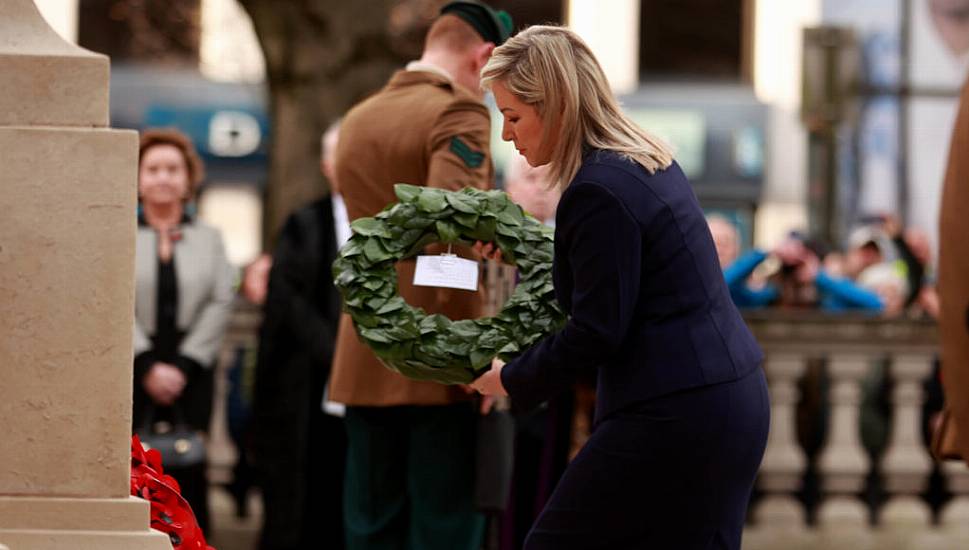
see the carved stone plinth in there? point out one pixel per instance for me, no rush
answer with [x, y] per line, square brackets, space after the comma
[67, 223]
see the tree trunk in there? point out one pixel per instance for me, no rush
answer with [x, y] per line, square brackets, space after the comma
[322, 57]
[141, 30]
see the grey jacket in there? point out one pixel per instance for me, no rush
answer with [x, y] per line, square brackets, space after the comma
[205, 290]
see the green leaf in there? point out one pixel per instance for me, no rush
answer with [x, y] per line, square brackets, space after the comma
[345, 277]
[467, 220]
[369, 227]
[374, 284]
[512, 215]
[434, 324]
[507, 246]
[481, 358]
[394, 304]
[429, 238]
[461, 204]
[420, 220]
[352, 248]
[542, 255]
[386, 212]
[508, 230]
[409, 237]
[432, 200]
[459, 346]
[400, 213]
[510, 347]
[447, 232]
[466, 329]
[436, 348]
[366, 319]
[407, 193]
[404, 332]
[485, 230]
[400, 351]
[375, 334]
[375, 252]
[492, 339]
[420, 353]
[375, 303]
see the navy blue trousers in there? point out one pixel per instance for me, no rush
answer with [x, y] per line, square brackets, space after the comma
[674, 473]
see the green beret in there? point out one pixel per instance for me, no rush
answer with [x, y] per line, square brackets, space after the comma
[493, 26]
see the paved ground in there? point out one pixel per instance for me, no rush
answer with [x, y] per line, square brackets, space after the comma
[229, 532]
[232, 533]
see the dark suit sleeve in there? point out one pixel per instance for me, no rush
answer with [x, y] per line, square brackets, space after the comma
[291, 290]
[604, 246]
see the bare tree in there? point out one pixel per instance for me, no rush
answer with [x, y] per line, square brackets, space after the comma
[322, 56]
[142, 30]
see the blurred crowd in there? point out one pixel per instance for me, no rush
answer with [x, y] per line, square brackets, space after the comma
[883, 269]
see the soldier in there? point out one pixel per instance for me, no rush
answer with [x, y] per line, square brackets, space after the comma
[410, 462]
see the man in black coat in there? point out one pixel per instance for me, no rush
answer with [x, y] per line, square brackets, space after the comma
[300, 448]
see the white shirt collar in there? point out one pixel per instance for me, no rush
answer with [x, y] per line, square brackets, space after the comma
[340, 220]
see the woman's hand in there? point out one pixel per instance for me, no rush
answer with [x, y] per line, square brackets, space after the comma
[489, 385]
[487, 250]
[164, 383]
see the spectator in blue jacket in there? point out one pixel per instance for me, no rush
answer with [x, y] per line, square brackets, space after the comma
[737, 271]
[798, 279]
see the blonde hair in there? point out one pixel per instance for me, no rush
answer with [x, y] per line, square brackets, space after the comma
[552, 69]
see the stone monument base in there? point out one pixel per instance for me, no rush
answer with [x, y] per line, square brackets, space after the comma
[41, 523]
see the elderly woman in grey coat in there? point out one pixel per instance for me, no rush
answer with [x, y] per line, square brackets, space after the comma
[183, 297]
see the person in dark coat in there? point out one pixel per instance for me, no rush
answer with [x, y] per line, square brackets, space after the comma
[299, 446]
[682, 409]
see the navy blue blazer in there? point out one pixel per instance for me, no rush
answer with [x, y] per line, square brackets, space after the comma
[637, 272]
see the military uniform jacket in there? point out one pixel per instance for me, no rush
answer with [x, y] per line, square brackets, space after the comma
[421, 129]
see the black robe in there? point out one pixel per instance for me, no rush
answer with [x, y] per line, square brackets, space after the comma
[299, 451]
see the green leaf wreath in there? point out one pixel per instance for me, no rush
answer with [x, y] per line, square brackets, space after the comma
[433, 347]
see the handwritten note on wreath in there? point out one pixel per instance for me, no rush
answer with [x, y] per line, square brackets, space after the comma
[447, 271]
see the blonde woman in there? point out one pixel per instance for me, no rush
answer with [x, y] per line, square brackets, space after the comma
[682, 408]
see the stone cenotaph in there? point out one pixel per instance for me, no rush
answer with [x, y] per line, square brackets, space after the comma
[67, 227]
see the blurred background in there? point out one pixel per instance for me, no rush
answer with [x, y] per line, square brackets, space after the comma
[809, 120]
[776, 126]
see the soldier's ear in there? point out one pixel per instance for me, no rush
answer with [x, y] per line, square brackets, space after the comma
[483, 53]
